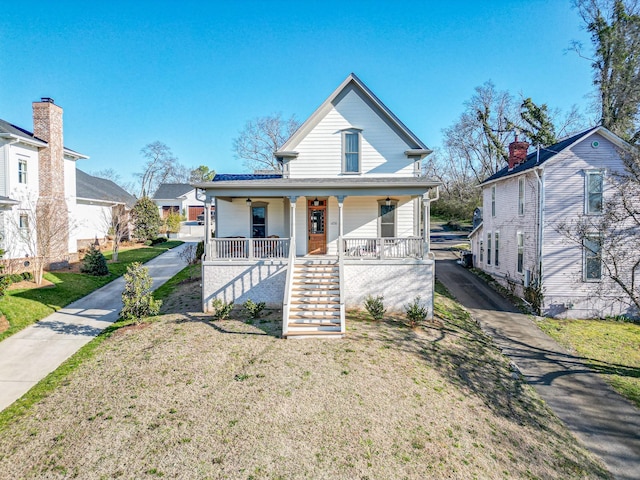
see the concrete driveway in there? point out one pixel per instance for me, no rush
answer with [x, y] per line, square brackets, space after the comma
[606, 423]
[31, 354]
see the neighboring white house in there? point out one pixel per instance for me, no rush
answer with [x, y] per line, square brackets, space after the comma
[178, 198]
[344, 220]
[520, 240]
[37, 174]
[96, 199]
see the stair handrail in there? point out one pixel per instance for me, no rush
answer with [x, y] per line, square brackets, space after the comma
[288, 288]
[341, 285]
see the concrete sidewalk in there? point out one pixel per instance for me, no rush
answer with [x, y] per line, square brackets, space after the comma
[31, 354]
[606, 423]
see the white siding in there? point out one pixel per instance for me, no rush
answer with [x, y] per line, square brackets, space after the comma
[70, 197]
[382, 150]
[91, 221]
[508, 223]
[235, 217]
[566, 294]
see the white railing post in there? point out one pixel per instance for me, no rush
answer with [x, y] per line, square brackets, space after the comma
[288, 288]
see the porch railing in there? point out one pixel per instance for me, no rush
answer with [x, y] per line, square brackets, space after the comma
[382, 247]
[247, 248]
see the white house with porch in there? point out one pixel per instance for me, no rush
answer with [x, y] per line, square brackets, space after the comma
[347, 217]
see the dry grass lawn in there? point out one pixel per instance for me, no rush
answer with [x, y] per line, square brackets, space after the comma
[184, 397]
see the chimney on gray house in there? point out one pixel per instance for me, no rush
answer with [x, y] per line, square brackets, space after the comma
[52, 219]
[517, 153]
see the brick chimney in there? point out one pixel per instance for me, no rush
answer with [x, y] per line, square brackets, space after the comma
[52, 219]
[517, 153]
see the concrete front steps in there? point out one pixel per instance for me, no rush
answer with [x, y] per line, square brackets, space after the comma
[314, 309]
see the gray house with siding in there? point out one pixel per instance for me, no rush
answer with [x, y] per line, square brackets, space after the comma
[523, 240]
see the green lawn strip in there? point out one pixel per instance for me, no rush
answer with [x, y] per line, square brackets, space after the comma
[611, 348]
[26, 306]
[56, 378]
[167, 288]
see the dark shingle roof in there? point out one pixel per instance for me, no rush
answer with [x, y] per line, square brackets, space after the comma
[226, 177]
[546, 153]
[6, 127]
[95, 188]
[172, 190]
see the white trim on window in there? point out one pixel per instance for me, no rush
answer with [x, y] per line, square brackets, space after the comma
[593, 192]
[481, 249]
[351, 151]
[488, 248]
[382, 204]
[520, 254]
[23, 221]
[496, 246]
[493, 200]
[22, 171]
[592, 257]
[255, 205]
[521, 193]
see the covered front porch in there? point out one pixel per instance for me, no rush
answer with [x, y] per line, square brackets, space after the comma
[316, 253]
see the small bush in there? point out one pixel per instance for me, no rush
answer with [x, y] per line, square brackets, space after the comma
[137, 297]
[148, 243]
[254, 309]
[157, 240]
[199, 251]
[27, 276]
[172, 222]
[416, 312]
[94, 263]
[220, 309]
[15, 277]
[5, 281]
[375, 307]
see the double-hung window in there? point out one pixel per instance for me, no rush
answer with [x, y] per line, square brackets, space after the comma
[22, 171]
[488, 248]
[351, 151]
[592, 257]
[493, 201]
[496, 240]
[593, 192]
[23, 221]
[521, 196]
[520, 261]
[481, 251]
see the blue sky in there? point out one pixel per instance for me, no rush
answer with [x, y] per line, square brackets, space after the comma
[190, 74]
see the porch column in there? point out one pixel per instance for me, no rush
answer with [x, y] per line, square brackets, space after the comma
[207, 226]
[340, 199]
[292, 221]
[426, 208]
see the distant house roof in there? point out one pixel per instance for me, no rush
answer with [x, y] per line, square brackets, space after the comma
[227, 177]
[172, 190]
[547, 153]
[94, 188]
[10, 130]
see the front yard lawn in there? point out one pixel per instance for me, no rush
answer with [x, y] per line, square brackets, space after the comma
[26, 306]
[613, 349]
[182, 396]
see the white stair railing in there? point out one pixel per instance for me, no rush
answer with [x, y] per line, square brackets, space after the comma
[341, 285]
[288, 288]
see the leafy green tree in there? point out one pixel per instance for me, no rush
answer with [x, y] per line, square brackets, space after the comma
[614, 26]
[201, 174]
[137, 298]
[536, 123]
[146, 219]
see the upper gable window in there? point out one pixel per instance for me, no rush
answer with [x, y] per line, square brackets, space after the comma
[351, 151]
[593, 192]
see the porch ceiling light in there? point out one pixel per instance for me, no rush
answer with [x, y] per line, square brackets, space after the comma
[248, 202]
[316, 202]
[387, 202]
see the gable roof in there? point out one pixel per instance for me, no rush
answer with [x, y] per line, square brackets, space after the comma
[94, 188]
[352, 81]
[547, 153]
[172, 190]
[13, 131]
